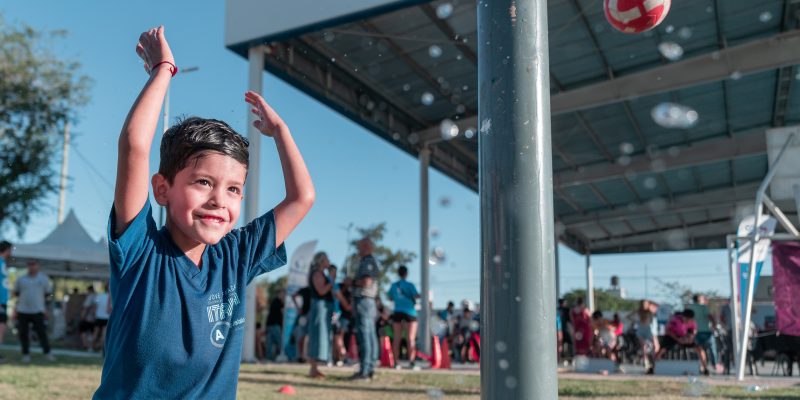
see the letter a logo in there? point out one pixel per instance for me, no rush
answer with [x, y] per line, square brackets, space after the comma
[219, 332]
[219, 336]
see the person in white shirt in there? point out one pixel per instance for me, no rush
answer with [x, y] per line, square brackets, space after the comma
[31, 291]
[102, 311]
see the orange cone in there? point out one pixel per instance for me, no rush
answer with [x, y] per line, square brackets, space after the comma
[436, 357]
[387, 358]
[287, 389]
[445, 364]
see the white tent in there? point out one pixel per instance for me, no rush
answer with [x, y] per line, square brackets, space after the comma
[68, 251]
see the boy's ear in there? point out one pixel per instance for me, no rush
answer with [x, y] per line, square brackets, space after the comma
[160, 187]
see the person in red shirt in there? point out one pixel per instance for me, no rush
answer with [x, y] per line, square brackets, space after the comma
[681, 331]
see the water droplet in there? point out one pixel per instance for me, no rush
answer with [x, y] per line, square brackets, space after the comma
[650, 183]
[406, 87]
[624, 161]
[396, 136]
[459, 57]
[427, 98]
[685, 33]
[448, 129]
[658, 165]
[413, 138]
[438, 256]
[626, 148]
[709, 9]
[674, 151]
[444, 201]
[736, 75]
[669, 29]
[518, 299]
[657, 204]
[511, 382]
[765, 16]
[329, 36]
[501, 346]
[434, 233]
[434, 51]
[333, 59]
[465, 87]
[461, 108]
[444, 11]
[497, 259]
[486, 126]
[503, 364]
[469, 133]
[671, 51]
[671, 115]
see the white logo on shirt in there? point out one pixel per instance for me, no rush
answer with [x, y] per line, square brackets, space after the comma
[219, 333]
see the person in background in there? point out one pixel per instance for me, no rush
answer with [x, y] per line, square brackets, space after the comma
[366, 310]
[274, 329]
[342, 329]
[705, 321]
[301, 324]
[605, 342]
[404, 295]
[581, 323]
[644, 317]
[31, 291]
[102, 312]
[86, 326]
[321, 313]
[5, 255]
[567, 346]
[682, 332]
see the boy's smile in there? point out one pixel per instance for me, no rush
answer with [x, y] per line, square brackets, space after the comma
[204, 200]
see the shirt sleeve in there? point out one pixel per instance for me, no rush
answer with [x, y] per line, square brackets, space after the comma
[126, 249]
[256, 244]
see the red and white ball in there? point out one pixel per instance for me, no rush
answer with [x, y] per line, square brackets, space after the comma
[635, 16]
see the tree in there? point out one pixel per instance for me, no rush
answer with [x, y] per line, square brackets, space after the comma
[603, 300]
[678, 294]
[39, 94]
[388, 259]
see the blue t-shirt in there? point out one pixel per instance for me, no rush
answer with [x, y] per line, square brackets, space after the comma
[176, 330]
[3, 282]
[404, 294]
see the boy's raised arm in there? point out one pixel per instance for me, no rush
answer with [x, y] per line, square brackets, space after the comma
[299, 188]
[140, 125]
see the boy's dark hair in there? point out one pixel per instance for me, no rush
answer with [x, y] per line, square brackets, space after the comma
[688, 313]
[402, 271]
[4, 245]
[597, 314]
[192, 137]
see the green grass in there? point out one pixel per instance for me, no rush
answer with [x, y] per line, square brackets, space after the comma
[77, 378]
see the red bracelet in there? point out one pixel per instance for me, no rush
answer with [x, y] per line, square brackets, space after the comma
[173, 70]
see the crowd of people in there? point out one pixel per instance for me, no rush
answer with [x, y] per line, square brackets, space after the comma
[346, 322]
[585, 333]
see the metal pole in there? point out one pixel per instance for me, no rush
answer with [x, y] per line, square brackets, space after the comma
[734, 303]
[424, 337]
[518, 309]
[589, 282]
[796, 189]
[751, 271]
[164, 127]
[557, 269]
[255, 83]
[62, 190]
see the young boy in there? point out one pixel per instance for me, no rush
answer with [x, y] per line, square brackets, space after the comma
[177, 325]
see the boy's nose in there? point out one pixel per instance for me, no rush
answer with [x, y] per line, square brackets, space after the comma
[217, 199]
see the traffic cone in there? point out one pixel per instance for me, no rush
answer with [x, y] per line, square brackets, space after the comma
[436, 357]
[387, 358]
[445, 364]
[352, 349]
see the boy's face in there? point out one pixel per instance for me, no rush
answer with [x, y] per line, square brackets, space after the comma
[204, 200]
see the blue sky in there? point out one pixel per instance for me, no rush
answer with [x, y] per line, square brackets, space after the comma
[359, 178]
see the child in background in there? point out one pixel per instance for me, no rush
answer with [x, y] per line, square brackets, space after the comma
[178, 293]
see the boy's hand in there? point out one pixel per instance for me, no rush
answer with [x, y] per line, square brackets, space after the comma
[269, 121]
[153, 49]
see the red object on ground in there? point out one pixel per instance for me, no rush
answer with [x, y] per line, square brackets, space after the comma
[424, 356]
[352, 349]
[635, 16]
[475, 347]
[387, 358]
[445, 364]
[287, 389]
[436, 357]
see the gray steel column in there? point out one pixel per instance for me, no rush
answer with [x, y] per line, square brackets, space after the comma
[557, 268]
[424, 336]
[734, 302]
[255, 83]
[589, 281]
[518, 358]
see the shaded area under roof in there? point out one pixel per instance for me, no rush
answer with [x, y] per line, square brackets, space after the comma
[622, 183]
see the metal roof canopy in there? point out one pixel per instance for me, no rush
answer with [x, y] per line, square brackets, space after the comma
[622, 183]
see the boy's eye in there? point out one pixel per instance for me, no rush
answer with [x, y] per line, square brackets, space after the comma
[203, 182]
[234, 189]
